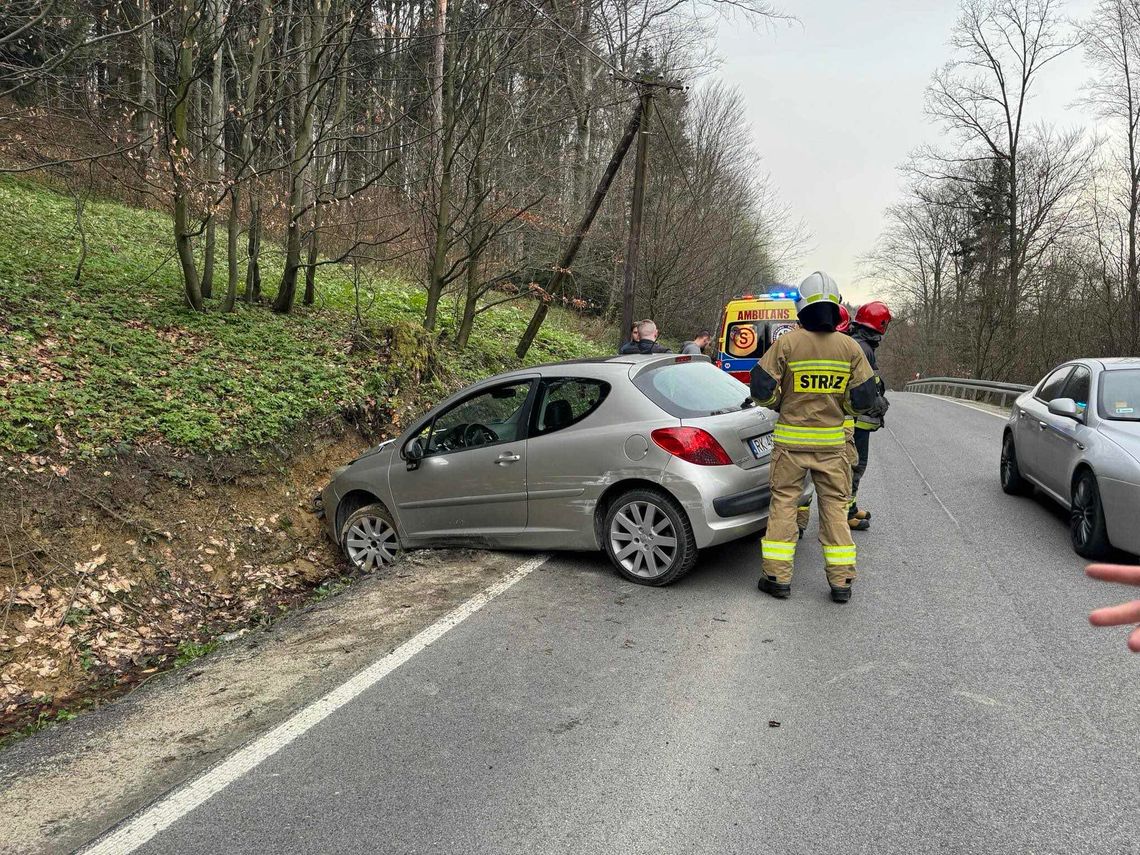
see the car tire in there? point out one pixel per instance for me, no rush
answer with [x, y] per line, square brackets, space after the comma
[648, 537]
[1012, 481]
[1087, 528]
[369, 539]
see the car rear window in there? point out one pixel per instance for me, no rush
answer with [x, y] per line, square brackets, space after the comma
[692, 389]
[1120, 395]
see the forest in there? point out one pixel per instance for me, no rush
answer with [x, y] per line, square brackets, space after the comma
[457, 142]
[1015, 247]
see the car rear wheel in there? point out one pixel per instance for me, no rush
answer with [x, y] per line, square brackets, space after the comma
[369, 539]
[1086, 521]
[648, 538]
[1012, 481]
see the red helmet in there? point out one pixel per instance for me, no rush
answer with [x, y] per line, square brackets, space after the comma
[844, 319]
[874, 315]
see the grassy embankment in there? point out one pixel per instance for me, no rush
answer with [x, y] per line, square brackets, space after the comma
[118, 360]
[156, 464]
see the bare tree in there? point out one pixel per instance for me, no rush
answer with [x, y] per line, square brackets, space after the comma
[982, 96]
[1112, 47]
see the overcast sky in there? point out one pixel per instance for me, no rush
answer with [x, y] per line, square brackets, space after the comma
[836, 103]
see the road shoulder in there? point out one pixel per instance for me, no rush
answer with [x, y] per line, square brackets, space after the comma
[106, 765]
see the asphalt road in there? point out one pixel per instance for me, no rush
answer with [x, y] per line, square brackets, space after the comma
[959, 703]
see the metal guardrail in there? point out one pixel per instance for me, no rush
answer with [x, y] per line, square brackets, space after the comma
[986, 391]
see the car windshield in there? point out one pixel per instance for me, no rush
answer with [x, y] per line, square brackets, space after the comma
[1120, 395]
[693, 389]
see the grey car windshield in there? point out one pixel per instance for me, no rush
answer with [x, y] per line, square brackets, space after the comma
[1120, 395]
[693, 389]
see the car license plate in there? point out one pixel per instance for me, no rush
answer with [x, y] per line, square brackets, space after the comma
[761, 446]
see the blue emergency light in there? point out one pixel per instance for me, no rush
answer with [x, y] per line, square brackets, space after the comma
[789, 294]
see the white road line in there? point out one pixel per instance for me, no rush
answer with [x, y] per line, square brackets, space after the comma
[169, 809]
[963, 404]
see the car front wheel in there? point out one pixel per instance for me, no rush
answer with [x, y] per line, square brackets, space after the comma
[1086, 521]
[648, 538]
[369, 539]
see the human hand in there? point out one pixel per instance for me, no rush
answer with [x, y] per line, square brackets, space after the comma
[1125, 613]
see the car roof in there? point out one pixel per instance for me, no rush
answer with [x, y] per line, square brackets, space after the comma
[603, 366]
[1114, 363]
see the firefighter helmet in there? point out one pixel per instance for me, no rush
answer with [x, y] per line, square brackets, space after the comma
[818, 305]
[844, 324]
[874, 315]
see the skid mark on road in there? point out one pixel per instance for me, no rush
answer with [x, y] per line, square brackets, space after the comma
[168, 810]
[926, 483]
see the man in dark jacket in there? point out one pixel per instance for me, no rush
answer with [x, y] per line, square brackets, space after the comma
[867, 329]
[646, 343]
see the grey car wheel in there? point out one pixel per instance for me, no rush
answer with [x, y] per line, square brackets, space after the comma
[1012, 481]
[648, 538]
[1087, 528]
[369, 539]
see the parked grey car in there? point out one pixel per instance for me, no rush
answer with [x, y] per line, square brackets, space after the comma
[649, 458]
[1076, 437]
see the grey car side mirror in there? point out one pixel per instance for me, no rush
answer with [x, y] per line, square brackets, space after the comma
[1066, 408]
[414, 453]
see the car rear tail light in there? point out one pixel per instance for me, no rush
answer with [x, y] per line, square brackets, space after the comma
[693, 445]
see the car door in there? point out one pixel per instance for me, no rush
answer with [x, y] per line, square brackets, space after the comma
[1031, 423]
[1062, 439]
[470, 484]
[568, 456]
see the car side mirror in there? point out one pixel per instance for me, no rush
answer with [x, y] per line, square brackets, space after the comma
[414, 453]
[1066, 408]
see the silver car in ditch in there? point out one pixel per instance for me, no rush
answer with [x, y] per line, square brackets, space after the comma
[649, 458]
[1076, 437]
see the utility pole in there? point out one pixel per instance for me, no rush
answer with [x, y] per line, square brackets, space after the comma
[646, 89]
[571, 251]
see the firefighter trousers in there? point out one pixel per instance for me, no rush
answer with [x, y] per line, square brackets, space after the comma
[863, 448]
[831, 473]
[803, 512]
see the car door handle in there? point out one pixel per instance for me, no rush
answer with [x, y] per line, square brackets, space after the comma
[1042, 425]
[507, 457]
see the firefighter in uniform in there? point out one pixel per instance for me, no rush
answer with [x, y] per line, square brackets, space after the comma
[868, 329]
[803, 512]
[815, 379]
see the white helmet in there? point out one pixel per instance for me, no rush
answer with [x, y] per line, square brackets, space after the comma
[819, 289]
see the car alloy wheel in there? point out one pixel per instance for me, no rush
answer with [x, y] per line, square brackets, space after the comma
[1012, 481]
[1086, 523]
[643, 540]
[370, 541]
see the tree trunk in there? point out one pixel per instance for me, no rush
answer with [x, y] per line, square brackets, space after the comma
[444, 122]
[311, 267]
[233, 227]
[181, 159]
[215, 146]
[312, 34]
[245, 149]
[148, 108]
[579, 235]
[253, 248]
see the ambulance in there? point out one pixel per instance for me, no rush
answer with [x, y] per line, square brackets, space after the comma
[750, 325]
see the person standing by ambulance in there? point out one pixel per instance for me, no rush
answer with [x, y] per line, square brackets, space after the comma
[868, 329]
[815, 378]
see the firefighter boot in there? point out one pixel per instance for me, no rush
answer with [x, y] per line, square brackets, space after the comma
[840, 593]
[776, 589]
